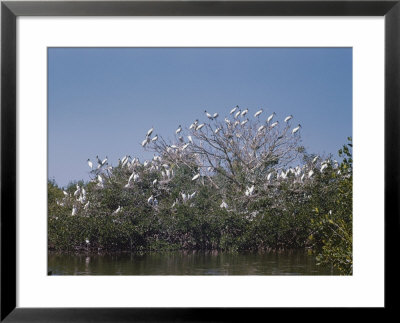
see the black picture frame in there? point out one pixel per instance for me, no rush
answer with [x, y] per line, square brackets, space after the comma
[10, 10]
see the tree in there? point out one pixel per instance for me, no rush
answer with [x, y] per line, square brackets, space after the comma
[333, 226]
[242, 151]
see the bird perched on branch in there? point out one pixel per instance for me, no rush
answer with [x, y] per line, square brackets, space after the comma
[296, 129]
[270, 117]
[149, 132]
[288, 118]
[234, 109]
[209, 116]
[258, 113]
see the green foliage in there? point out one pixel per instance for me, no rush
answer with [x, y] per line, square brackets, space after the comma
[332, 224]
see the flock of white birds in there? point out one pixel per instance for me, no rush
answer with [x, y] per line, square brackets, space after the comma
[102, 172]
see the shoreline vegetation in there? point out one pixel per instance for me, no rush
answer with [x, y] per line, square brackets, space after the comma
[234, 184]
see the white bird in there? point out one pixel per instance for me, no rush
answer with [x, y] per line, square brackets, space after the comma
[192, 195]
[194, 124]
[104, 161]
[269, 176]
[135, 177]
[249, 191]
[258, 112]
[178, 130]
[200, 126]
[117, 210]
[234, 109]
[74, 210]
[296, 129]
[100, 179]
[184, 197]
[288, 118]
[237, 114]
[130, 178]
[82, 199]
[149, 132]
[274, 124]
[190, 139]
[217, 130]
[270, 117]
[195, 177]
[155, 138]
[209, 116]
[98, 160]
[65, 193]
[174, 146]
[77, 192]
[90, 163]
[244, 122]
[302, 177]
[244, 112]
[223, 205]
[261, 128]
[150, 200]
[124, 161]
[323, 167]
[155, 182]
[125, 158]
[315, 159]
[215, 115]
[227, 121]
[310, 173]
[86, 205]
[145, 142]
[185, 146]
[87, 241]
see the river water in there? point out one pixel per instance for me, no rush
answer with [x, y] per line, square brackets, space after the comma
[187, 263]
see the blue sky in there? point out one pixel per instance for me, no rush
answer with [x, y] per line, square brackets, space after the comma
[102, 101]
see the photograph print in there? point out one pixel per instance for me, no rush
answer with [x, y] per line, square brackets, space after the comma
[200, 161]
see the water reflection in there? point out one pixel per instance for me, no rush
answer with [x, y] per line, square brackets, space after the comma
[187, 263]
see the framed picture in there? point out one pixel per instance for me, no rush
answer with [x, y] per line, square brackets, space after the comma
[151, 147]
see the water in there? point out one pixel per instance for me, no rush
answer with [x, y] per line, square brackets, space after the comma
[187, 263]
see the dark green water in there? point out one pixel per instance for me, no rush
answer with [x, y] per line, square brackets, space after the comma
[187, 263]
